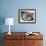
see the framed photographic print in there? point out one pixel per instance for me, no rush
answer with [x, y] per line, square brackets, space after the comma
[27, 15]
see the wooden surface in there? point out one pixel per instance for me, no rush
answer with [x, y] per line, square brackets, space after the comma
[33, 43]
[20, 39]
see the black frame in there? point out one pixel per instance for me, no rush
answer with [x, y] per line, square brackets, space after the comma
[27, 16]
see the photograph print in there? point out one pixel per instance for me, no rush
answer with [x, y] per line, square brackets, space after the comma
[27, 15]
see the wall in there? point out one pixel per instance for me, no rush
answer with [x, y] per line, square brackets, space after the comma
[9, 8]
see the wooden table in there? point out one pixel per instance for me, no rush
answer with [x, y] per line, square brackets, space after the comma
[20, 39]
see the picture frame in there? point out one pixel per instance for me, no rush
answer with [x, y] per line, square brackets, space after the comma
[27, 16]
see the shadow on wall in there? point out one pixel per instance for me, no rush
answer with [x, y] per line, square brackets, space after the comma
[2, 21]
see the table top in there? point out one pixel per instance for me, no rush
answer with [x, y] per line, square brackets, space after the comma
[22, 35]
